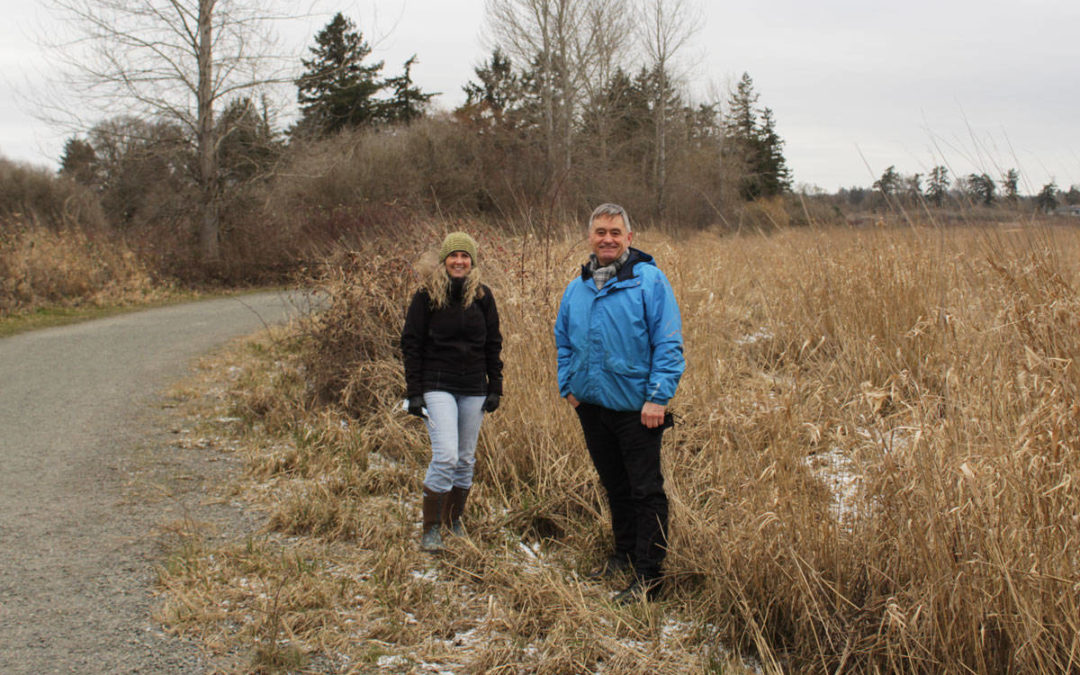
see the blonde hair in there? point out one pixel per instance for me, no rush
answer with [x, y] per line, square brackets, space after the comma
[437, 282]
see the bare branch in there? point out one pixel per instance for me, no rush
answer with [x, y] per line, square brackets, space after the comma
[166, 60]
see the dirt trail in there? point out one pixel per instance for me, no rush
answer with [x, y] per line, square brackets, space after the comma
[80, 422]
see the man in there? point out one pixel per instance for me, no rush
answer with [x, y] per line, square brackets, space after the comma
[619, 340]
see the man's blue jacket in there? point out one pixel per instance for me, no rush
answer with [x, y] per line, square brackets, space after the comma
[621, 345]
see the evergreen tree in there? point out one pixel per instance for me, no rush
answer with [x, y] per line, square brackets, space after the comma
[249, 145]
[889, 181]
[537, 107]
[1010, 185]
[741, 119]
[703, 122]
[1072, 197]
[853, 195]
[982, 187]
[939, 185]
[740, 130]
[618, 122]
[337, 90]
[755, 144]
[1047, 198]
[79, 162]
[498, 91]
[408, 102]
[663, 102]
[772, 169]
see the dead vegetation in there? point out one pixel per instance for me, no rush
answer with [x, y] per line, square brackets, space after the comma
[40, 267]
[56, 250]
[875, 470]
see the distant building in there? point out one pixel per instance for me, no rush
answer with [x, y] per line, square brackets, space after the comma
[1068, 210]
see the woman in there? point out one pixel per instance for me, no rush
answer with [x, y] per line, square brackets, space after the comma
[453, 374]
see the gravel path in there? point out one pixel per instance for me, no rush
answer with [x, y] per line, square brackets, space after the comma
[87, 474]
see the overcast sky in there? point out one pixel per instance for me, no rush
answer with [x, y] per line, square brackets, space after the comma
[855, 85]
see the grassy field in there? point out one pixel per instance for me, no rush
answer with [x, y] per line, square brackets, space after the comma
[874, 469]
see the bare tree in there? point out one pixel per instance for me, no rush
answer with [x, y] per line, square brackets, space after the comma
[601, 53]
[546, 34]
[172, 59]
[666, 28]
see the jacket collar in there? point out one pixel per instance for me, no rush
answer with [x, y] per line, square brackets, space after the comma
[627, 270]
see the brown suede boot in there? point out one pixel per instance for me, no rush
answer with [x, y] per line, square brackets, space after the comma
[431, 538]
[455, 507]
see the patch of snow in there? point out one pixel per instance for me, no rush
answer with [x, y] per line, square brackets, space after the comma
[430, 574]
[757, 336]
[392, 661]
[672, 630]
[838, 473]
[529, 552]
[469, 638]
[377, 460]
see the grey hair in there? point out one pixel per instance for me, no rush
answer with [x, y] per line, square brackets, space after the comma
[610, 211]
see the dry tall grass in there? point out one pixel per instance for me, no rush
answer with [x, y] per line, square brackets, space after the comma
[56, 249]
[876, 469]
[45, 267]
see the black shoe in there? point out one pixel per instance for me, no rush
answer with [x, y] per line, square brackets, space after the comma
[615, 564]
[638, 590]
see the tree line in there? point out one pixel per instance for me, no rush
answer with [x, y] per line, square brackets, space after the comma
[579, 101]
[939, 187]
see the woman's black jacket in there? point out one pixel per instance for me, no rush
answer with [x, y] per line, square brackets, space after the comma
[455, 349]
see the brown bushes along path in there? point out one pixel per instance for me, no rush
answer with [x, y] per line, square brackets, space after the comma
[76, 553]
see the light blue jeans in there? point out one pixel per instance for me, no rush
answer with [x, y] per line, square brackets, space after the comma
[453, 423]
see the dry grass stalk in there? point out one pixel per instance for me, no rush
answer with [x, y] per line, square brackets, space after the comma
[876, 470]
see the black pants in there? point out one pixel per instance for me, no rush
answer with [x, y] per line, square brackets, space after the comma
[626, 454]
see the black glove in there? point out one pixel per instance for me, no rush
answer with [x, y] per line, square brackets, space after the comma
[491, 403]
[416, 406]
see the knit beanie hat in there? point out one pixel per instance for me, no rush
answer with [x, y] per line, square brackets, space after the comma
[457, 241]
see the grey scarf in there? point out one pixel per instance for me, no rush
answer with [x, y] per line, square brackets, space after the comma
[601, 275]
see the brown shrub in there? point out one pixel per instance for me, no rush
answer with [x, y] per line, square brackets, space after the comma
[45, 267]
[352, 359]
[30, 195]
